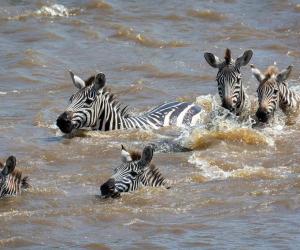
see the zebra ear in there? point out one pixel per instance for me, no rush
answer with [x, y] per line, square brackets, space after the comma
[284, 74]
[100, 81]
[77, 81]
[256, 72]
[9, 165]
[147, 156]
[244, 59]
[212, 60]
[125, 156]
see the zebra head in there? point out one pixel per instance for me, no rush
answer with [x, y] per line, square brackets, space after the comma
[229, 78]
[268, 91]
[11, 180]
[7, 169]
[135, 171]
[82, 108]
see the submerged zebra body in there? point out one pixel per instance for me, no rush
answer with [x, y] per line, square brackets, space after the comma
[136, 171]
[93, 106]
[229, 79]
[273, 92]
[11, 181]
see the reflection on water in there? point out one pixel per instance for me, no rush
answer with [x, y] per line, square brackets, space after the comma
[237, 188]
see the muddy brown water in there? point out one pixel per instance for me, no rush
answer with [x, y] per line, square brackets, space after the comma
[239, 187]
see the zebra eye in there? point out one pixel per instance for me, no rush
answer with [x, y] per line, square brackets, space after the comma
[134, 174]
[275, 91]
[88, 101]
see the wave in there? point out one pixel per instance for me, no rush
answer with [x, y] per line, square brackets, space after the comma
[212, 171]
[52, 11]
[129, 34]
[208, 15]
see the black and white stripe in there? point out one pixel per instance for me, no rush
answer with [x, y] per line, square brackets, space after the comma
[93, 106]
[11, 181]
[133, 174]
[229, 79]
[273, 92]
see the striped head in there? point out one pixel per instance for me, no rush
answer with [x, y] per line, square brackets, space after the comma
[11, 181]
[229, 78]
[268, 91]
[135, 171]
[83, 108]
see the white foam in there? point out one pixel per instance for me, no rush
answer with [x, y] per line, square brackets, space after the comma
[55, 10]
[213, 172]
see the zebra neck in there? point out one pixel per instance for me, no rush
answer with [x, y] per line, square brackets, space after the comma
[152, 177]
[111, 113]
[241, 101]
[288, 99]
[12, 184]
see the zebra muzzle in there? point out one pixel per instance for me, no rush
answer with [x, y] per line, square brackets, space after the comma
[263, 115]
[108, 189]
[228, 104]
[64, 122]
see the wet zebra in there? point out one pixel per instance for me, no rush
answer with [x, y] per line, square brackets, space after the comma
[229, 79]
[11, 181]
[136, 170]
[93, 106]
[273, 92]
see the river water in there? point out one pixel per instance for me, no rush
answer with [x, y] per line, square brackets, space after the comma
[238, 188]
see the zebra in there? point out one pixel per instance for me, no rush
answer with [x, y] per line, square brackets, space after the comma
[11, 181]
[93, 106]
[273, 92]
[229, 79]
[135, 171]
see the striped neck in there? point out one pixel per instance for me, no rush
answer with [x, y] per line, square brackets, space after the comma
[241, 101]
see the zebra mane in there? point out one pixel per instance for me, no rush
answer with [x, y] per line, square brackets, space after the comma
[151, 173]
[154, 173]
[135, 155]
[114, 101]
[271, 70]
[227, 56]
[89, 81]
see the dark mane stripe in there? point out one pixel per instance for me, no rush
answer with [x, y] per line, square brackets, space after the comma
[227, 56]
[123, 109]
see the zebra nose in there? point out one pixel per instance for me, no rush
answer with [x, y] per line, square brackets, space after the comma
[262, 115]
[108, 188]
[64, 122]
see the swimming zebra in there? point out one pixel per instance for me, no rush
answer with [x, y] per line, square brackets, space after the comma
[273, 92]
[229, 79]
[11, 181]
[93, 106]
[136, 170]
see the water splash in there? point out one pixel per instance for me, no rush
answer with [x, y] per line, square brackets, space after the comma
[212, 171]
[55, 10]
